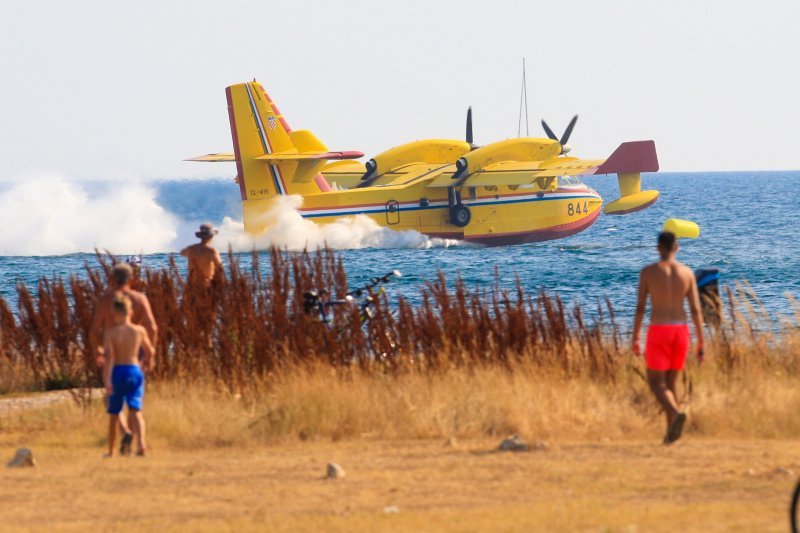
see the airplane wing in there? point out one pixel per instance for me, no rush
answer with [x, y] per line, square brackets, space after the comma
[345, 174]
[503, 173]
[568, 166]
[525, 172]
[214, 158]
[412, 173]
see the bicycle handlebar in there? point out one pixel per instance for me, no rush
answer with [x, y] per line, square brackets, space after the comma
[374, 282]
[312, 298]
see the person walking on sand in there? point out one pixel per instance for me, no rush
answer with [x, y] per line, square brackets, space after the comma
[103, 320]
[667, 283]
[204, 260]
[122, 375]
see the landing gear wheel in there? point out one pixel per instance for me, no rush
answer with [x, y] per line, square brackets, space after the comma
[460, 215]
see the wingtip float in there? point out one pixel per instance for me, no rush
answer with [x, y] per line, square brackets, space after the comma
[508, 192]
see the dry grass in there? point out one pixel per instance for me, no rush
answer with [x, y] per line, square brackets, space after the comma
[222, 461]
[321, 404]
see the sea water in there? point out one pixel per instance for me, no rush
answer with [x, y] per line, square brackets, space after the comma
[748, 220]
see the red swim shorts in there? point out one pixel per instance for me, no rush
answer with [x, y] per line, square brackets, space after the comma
[666, 347]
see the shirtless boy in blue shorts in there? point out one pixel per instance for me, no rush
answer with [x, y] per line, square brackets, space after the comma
[122, 372]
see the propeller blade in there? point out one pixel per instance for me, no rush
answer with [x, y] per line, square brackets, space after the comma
[568, 131]
[469, 125]
[548, 131]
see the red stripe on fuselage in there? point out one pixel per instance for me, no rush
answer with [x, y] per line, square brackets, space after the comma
[524, 237]
[274, 169]
[235, 136]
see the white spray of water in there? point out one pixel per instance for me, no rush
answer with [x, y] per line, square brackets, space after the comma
[288, 229]
[49, 215]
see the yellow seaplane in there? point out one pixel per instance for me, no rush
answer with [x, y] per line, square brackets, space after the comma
[509, 192]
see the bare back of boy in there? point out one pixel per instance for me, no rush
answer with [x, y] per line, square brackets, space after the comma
[668, 283]
[125, 341]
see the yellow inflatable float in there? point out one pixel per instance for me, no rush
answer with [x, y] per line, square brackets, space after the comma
[683, 229]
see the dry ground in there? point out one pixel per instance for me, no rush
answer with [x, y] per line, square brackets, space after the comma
[697, 484]
[222, 461]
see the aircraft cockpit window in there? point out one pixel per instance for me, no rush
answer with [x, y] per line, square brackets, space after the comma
[569, 180]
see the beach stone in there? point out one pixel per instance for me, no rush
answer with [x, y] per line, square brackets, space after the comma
[788, 472]
[23, 458]
[334, 471]
[539, 446]
[451, 442]
[514, 443]
[391, 509]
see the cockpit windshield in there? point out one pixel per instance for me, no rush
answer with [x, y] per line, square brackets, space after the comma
[569, 180]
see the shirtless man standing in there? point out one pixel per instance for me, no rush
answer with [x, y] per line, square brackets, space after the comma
[204, 259]
[122, 375]
[667, 283]
[103, 320]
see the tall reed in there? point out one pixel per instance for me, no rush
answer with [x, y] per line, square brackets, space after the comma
[250, 325]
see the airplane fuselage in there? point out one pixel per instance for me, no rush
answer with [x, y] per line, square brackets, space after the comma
[500, 215]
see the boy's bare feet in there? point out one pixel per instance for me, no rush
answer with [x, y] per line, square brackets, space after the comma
[108, 455]
[141, 453]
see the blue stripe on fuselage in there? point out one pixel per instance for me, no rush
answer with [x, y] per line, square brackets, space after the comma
[381, 209]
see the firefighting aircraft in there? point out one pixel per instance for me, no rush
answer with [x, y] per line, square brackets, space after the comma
[509, 192]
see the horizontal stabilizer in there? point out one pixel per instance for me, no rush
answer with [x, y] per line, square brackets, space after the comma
[306, 156]
[214, 158]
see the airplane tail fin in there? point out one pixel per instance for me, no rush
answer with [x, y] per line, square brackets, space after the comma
[628, 161]
[271, 158]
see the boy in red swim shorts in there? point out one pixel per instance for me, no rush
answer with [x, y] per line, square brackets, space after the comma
[667, 283]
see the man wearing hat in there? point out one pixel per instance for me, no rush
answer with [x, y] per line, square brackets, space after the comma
[204, 259]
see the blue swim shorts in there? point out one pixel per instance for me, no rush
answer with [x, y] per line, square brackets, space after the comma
[127, 382]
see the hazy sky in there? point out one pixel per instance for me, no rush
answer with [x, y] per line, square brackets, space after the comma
[129, 89]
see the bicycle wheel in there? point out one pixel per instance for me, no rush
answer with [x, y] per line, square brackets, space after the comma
[794, 509]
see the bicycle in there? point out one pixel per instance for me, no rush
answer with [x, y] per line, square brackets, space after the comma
[317, 302]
